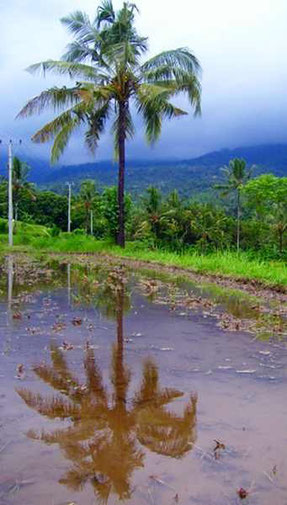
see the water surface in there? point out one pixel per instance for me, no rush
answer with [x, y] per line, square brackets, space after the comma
[116, 385]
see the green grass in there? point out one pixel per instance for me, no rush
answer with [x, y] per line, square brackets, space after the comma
[32, 238]
[23, 231]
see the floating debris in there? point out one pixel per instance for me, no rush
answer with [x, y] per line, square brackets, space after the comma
[242, 493]
[20, 372]
[66, 346]
[219, 446]
[77, 321]
[58, 327]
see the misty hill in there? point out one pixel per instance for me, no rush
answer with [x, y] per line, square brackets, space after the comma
[188, 176]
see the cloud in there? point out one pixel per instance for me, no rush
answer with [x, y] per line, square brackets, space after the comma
[242, 47]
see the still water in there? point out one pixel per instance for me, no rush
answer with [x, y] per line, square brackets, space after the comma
[119, 386]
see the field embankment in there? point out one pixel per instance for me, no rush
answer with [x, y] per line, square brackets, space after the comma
[241, 268]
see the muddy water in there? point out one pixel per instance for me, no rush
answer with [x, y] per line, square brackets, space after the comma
[124, 392]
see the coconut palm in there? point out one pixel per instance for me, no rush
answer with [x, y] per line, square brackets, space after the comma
[237, 176]
[20, 184]
[112, 81]
[88, 195]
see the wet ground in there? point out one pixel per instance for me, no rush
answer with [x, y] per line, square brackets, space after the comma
[119, 385]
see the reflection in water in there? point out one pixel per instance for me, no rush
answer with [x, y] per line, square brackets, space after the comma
[108, 431]
[69, 283]
[10, 275]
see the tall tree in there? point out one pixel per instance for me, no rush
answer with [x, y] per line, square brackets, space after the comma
[88, 195]
[267, 197]
[237, 175]
[20, 184]
[105, 61]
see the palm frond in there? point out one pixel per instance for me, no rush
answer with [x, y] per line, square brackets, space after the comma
[121, 54]
[72, 69]
[62, 139]
[78, 51]
[176, 80]
[78, 23]
[152, 102]
[96, 120]
[182, 58]
[105, 13]
[53, 127]
[53, 97]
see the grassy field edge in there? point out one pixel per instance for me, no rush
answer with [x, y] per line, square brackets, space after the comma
[227, 264]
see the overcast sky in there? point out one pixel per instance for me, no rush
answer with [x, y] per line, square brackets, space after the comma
[242, 47]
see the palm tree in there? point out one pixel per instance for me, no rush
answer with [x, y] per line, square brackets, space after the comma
[152, 204]
[237, 176]
[111, 80]
[208, 224]
[88, 195]
[20, 185]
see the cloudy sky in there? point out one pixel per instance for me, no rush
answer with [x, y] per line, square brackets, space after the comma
[242, 48]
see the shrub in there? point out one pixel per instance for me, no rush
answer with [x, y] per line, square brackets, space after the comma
[55, 231]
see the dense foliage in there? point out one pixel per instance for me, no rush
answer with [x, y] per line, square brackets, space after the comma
[164, 221]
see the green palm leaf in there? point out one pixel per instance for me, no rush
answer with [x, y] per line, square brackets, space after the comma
[105, 56]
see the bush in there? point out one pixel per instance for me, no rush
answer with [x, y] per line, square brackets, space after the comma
[55, 231]
[79, 231]
[3, 226]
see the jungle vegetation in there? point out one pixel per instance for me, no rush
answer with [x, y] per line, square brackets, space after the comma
[165, 222]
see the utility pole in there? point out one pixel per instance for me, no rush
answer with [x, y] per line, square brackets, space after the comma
[10, 194]
[69, 206]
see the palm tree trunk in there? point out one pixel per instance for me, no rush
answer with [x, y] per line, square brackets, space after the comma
[238, 220]
[121, 177]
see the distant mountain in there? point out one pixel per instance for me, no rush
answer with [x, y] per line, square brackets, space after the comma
[188, 176]
[269, 155]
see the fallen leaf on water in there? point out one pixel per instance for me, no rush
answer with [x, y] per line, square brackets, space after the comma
[242, 493]
[66, 346]
[20, 371]
[77, 321]
[219, 446]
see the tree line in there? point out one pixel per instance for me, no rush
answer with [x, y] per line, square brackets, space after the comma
[252, 214]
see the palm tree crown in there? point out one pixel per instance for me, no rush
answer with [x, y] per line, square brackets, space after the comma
[105, 61]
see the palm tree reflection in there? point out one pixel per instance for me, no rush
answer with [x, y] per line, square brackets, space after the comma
[108, 431]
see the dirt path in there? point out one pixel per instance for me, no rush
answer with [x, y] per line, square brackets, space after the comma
[254, 287]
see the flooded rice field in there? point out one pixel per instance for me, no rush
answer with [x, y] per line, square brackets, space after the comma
[120, 385]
